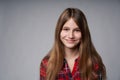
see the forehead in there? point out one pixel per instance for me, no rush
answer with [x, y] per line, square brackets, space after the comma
[71, 23]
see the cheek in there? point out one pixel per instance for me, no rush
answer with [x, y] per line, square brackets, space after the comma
[79, 36]
[62, 34]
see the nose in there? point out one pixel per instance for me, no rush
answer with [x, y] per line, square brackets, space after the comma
[71, 34]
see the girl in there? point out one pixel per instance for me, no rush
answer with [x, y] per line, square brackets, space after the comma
[73, 55]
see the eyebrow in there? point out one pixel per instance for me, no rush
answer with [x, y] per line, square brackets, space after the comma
[68, 27]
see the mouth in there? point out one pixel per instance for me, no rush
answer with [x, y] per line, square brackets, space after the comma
[70, 41]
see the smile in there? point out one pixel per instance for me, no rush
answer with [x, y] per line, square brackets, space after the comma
[70, 41]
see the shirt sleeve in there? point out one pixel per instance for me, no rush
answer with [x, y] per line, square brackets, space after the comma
[43, 66]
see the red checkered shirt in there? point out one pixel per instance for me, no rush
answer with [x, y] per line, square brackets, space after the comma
[65, 73]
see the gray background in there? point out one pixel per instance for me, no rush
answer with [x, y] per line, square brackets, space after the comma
[27, 34]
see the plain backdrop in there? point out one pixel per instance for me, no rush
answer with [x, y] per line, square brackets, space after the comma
[27, 34]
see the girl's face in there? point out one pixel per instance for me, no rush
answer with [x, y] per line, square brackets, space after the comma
[70, 34]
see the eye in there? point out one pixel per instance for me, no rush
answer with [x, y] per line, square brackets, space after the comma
[65, 29]
[77, 30]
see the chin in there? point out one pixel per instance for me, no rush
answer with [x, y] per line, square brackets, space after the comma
[71, 47]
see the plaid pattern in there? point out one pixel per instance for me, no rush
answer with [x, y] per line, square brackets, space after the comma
[64, 74]
[43, 67]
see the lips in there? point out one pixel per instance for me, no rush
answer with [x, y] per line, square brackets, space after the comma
[70, 41]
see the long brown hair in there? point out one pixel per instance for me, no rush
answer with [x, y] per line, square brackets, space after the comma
[88, 53]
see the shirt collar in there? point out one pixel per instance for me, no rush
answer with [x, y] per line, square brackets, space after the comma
[76, 60]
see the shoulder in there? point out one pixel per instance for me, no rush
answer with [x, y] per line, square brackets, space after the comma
[43, 67]
[44, 61]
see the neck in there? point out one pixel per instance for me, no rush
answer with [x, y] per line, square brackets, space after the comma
[71, 53]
